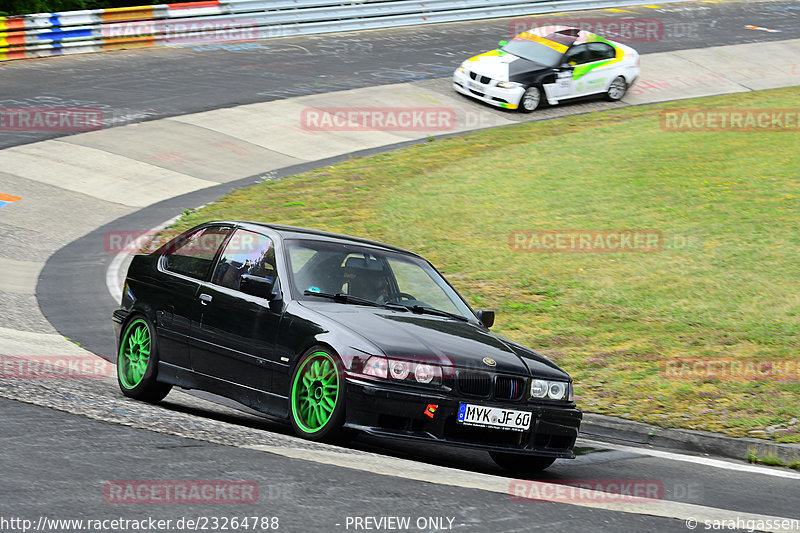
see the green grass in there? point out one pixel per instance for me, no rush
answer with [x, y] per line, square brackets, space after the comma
[724, 286]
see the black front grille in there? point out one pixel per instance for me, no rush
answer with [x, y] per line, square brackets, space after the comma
[483, 79]
[508, 388]
[486, 385]
[475, 383]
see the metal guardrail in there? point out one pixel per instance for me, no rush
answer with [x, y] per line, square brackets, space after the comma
[213, 21]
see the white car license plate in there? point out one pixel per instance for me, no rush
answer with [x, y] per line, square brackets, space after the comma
[473, 85]
[493, 417]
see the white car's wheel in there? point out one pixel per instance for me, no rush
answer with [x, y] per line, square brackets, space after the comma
[617, 89]
[530, 99]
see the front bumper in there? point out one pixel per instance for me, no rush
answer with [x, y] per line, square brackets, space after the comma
[390, 411]
[489, 93]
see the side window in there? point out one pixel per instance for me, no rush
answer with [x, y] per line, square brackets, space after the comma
[193, 254]
[246, 253]
[577, 55]
[601, 51]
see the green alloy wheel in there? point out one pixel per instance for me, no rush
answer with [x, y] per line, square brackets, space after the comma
[317, 397]
[137, 362]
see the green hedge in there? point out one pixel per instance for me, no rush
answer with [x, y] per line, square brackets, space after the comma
[22, 7]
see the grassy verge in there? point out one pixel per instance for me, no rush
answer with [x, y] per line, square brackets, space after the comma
[725, 284]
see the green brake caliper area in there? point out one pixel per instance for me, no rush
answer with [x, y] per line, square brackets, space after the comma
[315, 392]
[134, 354]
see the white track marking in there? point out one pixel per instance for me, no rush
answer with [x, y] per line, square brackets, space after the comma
[705, 461]
[440, 475]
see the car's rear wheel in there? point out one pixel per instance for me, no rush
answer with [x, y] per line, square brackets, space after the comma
[317, 397]
[531, 99]
[137, 363]
[617, 89]
[521, 464]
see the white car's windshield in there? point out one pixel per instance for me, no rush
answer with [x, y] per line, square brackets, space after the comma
[369, 275]
[533, 51]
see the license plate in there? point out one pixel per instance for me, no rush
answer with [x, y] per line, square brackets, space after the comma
[493, 417]
[473, 85]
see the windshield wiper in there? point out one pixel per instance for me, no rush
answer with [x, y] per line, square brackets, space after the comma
[350, 299]
[432, 311]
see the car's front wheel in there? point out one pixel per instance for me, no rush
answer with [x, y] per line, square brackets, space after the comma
[521, 464]
[137, 363]
[317, 397]
[617, 89]
[531, 99]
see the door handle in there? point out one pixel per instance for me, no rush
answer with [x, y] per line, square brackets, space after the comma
[205, 299]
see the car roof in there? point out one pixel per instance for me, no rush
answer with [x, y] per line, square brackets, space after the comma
[567, 35]
[294, 232]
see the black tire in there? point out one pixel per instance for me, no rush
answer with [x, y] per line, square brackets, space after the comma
[617, 89]
[531, 99]
[521, 464]
[313, 413]
[137, 362]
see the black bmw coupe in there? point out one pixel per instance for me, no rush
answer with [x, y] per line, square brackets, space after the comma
[336, 335]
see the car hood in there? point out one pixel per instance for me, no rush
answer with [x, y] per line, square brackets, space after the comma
[413, 336]
[503, 66]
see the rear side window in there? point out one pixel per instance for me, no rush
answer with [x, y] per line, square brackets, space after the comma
[193, 254]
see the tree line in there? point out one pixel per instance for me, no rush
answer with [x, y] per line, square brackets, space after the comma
[22, 7]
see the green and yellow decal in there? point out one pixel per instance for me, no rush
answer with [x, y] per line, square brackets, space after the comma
[582, 70]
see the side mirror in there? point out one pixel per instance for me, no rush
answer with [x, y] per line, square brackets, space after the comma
[486, 317]
[262, 287]
[502, 43]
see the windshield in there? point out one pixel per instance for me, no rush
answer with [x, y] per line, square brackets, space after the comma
[534, 48]
[367, 273]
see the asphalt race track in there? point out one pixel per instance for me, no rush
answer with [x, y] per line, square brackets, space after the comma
[64, 441]
[131, 86]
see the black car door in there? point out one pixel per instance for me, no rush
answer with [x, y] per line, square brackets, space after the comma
[183, 265]
[235, 340]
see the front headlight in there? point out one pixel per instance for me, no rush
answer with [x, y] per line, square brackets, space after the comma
[397, 370]
[554, 390]
[462, 70]
[508, 84]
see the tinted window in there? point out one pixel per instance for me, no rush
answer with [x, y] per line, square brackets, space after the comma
[246, 253]
[374, 274]
[601, 51]
[193, 254]
[577, 55]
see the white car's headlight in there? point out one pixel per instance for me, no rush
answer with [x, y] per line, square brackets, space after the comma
[508, 84]
[462, 70]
